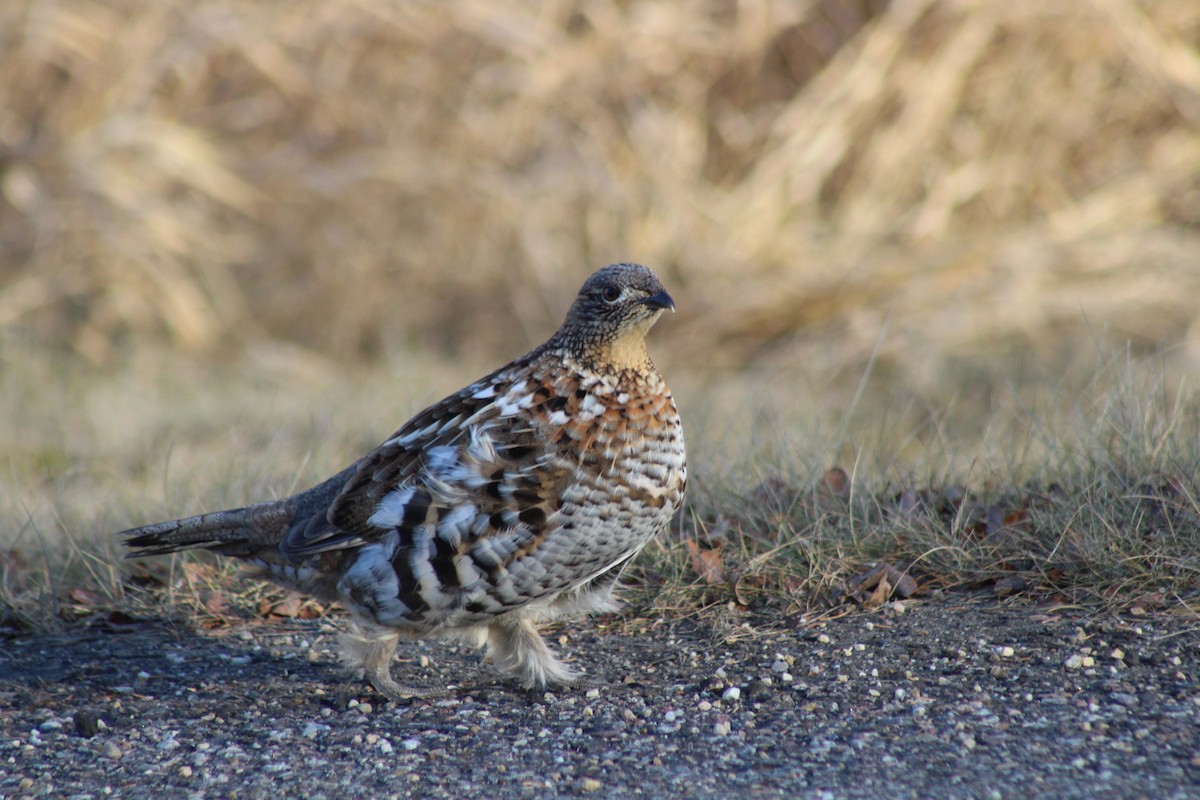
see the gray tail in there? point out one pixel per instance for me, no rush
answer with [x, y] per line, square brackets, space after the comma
[254, 531]
[236, 532]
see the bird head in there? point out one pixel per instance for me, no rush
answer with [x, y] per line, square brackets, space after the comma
[614, 310]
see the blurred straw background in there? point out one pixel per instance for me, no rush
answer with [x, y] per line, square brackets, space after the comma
[977, 178]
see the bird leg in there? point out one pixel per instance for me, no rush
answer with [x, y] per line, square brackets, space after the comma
[519, 650]
[372, 653]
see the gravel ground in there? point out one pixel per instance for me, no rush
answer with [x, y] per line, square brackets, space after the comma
[946, 698]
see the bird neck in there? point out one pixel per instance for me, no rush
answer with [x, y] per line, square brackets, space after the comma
[625, 353]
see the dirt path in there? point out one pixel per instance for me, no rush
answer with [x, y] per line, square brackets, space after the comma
[950, 698]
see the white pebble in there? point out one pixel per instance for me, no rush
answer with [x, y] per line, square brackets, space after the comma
[312, 729]
[731, 694]
[411, 744]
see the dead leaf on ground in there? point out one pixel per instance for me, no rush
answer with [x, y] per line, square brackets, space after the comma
[1009, 585]
[833, 492]
[742, 585]
[1152, 601]
[877, 585]
[706, 562]
[837, 481]
[217, 604]
[880, 594]
[290, 606]
[86, 598]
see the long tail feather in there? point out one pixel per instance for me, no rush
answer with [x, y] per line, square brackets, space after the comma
[213, 531]
[246, 532]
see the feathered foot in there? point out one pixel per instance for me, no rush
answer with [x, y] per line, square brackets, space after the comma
[519, 650]
[372, 653]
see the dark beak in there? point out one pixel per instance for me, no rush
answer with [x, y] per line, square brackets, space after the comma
[660, 300]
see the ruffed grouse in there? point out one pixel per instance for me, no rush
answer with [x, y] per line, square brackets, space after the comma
[516, 500]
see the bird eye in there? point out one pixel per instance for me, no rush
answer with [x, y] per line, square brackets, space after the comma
[610, 294]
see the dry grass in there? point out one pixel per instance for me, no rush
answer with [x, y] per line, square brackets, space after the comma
[976, 199]
[1102, 470]
[357, 176]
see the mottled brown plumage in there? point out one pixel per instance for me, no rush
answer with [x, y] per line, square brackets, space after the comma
[518, 499]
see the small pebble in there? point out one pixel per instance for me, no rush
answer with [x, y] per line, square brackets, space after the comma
[87, 724]
[731, 694]
[110, 750]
